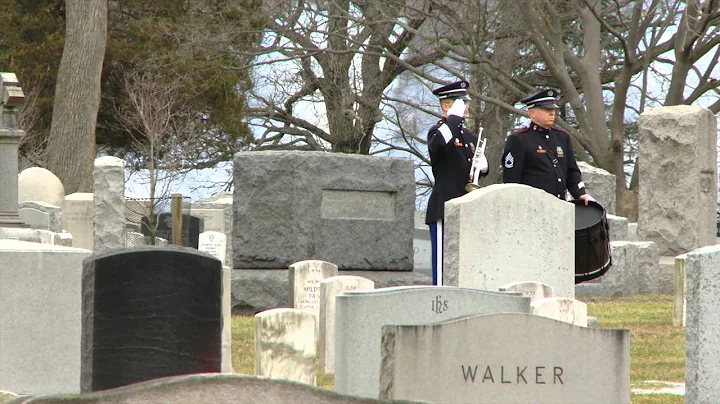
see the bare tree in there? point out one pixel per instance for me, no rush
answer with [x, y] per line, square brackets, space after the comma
[32, 145]
[71, 143]
[157, 120]
[341, 53]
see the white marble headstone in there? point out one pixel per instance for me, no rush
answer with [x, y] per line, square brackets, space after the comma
[533, 290]
[562, 309]
[329, 289]
[507, 233]
[213, 243]
[304, 278]
[78, 219]
[285, 345]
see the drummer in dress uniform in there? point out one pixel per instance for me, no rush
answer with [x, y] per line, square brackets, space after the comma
[542, 156]
[451, 146]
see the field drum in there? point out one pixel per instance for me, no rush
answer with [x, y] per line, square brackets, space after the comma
[592, 241]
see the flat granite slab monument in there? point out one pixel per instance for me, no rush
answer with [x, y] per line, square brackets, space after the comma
[354, 211]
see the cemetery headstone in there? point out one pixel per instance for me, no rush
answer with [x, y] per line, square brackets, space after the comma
[679, 305]
[359, 221]
[213, 243]
[192, 227]
[212, 388]
[221, 222]
[305, 277]
[702, 331]
[618, 228]
[360, 315]
[634, 271]
[227, 366]
[329, 289]
[40, 314]
[40, 185]
[513, 358]
[41, 215]
[562, 309]
[600, 184]
[491, 239]
[677, 204]
[78, 219]
[109, 203]
[285, 345]
[134, 299]
[533, 290]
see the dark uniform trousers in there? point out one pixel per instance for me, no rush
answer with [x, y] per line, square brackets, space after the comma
[451, 148]
[544, 159]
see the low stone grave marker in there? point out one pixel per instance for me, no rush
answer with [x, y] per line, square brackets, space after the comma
[562, 309]
[304, 278]
[360, 315]
[505, 358]
[533, 290]
[285, 345]
[329, 289]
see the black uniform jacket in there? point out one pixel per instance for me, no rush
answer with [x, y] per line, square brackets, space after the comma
[451, 148]
[542, 158]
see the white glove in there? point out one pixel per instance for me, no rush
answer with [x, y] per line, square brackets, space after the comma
[458, 108]
[482, 163]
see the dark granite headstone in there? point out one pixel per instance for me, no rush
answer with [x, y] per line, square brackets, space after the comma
[192, 227]
[149, 312]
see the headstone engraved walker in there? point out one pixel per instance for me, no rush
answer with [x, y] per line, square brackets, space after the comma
[149, 312]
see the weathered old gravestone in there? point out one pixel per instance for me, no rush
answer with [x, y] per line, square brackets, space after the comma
[360, 315]
[78, 219]
[40, 185]
[533, 290]
[213, 243]
[677, 202]
[292, 206]
[305, 277]
[680, 291]
[600, 184]
[702, 331]
[491, 239]
[635, 270]
[329, 289]
[212, 388]
[41, 215]
[562, 309]
[285, 345]
[618, 228]
[109, 203]
[150, 312]
[513, 358]
[192, 227]
[40, 314]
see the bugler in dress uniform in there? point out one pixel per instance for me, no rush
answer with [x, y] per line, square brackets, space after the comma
[452, 147]
[541, 156]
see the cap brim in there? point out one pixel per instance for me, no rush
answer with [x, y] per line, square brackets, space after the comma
[546, 105]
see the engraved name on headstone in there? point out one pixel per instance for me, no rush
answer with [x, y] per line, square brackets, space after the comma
[512, 358]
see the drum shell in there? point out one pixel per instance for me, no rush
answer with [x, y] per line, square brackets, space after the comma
[592, 241]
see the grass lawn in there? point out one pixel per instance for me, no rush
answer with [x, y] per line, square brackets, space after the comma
[657, 349]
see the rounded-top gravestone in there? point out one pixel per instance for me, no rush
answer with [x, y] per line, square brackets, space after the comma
[149, 312]
[40, 185]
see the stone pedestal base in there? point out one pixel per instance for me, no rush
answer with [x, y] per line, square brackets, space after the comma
[255, 290]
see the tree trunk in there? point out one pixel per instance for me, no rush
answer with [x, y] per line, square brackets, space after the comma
[71, 143]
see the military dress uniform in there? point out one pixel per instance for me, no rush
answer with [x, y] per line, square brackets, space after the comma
[451, 147]
[542, 158]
